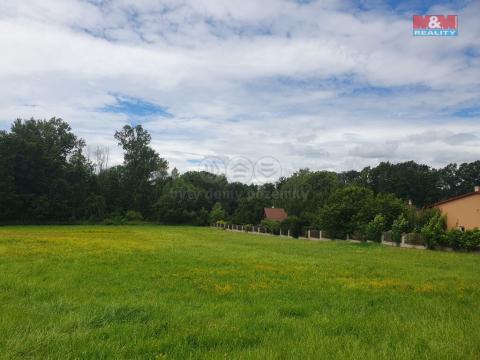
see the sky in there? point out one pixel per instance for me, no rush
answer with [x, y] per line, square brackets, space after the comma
[325, 85]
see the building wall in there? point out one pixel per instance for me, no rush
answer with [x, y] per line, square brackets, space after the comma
[462, 212]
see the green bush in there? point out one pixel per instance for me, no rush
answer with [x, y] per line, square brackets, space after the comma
[114, 220]
[454, 238]
[133, 216]
[347, 212]
[399, 227]
[217, 213]
[468, 240]
[434, 231]
[471, 239]
[271, 225]
[294, 224]
[375, 228]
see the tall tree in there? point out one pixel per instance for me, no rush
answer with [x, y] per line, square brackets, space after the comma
[144, 169]
[37, 157]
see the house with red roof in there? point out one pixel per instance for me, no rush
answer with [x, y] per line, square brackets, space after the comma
[275, 214]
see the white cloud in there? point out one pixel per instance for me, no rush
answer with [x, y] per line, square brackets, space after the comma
[322, 84]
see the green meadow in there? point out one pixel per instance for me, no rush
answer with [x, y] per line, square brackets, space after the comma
[157, 292]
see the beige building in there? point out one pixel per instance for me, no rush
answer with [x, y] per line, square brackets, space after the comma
[462, 211]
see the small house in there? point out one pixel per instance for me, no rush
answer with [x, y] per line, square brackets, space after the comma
[275, 214]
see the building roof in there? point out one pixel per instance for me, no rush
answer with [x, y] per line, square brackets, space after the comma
[277, 214]
[455, 198]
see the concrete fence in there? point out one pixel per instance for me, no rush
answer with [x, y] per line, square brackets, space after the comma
[412, 240]
[308, 234]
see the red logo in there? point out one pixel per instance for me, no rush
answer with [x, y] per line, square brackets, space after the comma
[435, 25]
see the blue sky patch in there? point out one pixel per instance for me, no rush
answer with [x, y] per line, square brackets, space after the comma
[473, 111]
[132, 106]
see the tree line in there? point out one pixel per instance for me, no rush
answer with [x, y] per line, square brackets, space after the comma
[46, 176]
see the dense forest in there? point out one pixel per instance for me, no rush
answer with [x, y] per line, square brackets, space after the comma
[46, 177]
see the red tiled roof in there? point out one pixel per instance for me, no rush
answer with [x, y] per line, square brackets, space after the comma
[455, 198]
[277, 214]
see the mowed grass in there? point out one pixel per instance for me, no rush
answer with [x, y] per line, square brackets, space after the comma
[158, 292]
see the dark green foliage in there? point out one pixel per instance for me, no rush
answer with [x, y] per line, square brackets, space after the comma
[399, 227]
[272, 226]
[348, 211]
[463, 240]
[45, 177]
[408, 180]
[217, 213]
[306, 192]
[293, 224]
[454, 238]
[251, 206]
[390, 207]
[143, 169]
[183, 203]
[434, 231]
[375, 228]
[133, 216]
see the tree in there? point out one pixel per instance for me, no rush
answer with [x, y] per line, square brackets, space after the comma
[347, 211]
[175, 173]
[293, 224]
[468, 176]
[390, 207]
[45, 176]
[305, 192]
[101, 155]
[144, 169]
[375, 228]
[217, 213]
[182, 203]
[434, 232]
[399, 227]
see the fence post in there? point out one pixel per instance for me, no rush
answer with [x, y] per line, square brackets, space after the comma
[348, 237]
[288, 233]
[320, 234]
[308, 234]
[383, 237]
[404, 237]
[280, 232]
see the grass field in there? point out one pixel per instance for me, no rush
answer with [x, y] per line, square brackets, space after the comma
[182, 292]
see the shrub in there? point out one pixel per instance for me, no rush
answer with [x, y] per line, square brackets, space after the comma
[217, 213]
[471, 239]
[399, 227]
[133, 216]
[375, 228]
[271, 225]
[294, 224]
[347, 211]
[114, 219]
[468, 240]
[434, 231]
[454, 238]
